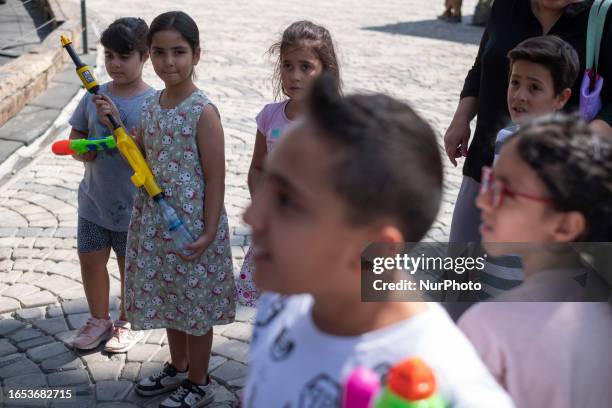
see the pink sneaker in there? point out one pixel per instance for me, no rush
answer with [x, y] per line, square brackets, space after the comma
[92, 333]
[123, 338]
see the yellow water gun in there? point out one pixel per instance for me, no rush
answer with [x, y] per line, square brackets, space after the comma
[142, 173]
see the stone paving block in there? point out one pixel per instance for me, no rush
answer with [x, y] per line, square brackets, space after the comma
[76, 292]
[40, 353]
[9, 242]
[130, 371]
[75, 321]
[51, 326]
[44, 267]
[162, 355]
[67, 269]
[8, 304]
[6, 348]
[11, 276]
[245, 314]
[106, 371]
[35, 342]
[93, 356]
[229, 371]
[30, 277]
[26, 242]
[7, 232]
[119, 357]
[156, 336]
[66, 336]
[239, 331]
[75, 306]
[234, 350]
[46, 242]
[25, 253]
[142, 352]
[26, 264]
[54, 311]
[215, 361]
[88, 401]
[112, 390]
[223, 395]
[27, 380]
[5, 253]
[41, 298]
[149, 368]
[16, 366]
[57, 284]
[6, 265]
[65, 232]
[20, 290]
[31, 314]
[137, 400]
[8, 326]
[62, 362]
[25, 334]
[72, 377]
[59, 255]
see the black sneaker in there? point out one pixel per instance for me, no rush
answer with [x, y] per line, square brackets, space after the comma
[165, 380]
[189, 395]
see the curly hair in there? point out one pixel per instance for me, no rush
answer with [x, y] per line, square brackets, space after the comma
[386, 161]
[575, 164]
[305, 34]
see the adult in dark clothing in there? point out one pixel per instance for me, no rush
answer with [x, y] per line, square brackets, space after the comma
[485, 87]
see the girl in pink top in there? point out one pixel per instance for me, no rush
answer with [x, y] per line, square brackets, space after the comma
[543, 341]
[305, 51]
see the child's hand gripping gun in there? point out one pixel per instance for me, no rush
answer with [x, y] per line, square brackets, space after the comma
[81, 146]
[411, 384]
[142, 174]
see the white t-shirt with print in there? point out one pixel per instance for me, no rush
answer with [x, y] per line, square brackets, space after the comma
[295, 365]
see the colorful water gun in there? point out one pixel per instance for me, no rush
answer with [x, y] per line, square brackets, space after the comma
[81, 146]
[142, 173]
[411, 384]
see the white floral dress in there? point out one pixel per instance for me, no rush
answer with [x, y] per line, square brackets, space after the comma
[163, 290]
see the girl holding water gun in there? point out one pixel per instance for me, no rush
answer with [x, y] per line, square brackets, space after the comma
[106, 192]
[187, 294]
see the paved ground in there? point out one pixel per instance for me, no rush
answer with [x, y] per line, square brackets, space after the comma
[395, 47]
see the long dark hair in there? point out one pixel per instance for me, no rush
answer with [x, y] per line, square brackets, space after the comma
[305, 34]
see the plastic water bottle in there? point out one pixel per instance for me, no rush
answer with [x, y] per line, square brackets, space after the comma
[178, 231]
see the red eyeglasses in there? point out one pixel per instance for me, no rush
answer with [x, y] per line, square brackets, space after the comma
[495, 190]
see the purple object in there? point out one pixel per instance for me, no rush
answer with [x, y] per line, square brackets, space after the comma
[360, 389]
[590, 95]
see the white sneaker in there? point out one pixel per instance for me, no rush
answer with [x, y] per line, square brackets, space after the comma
[92, 333]
[168, 378]
[123, 337]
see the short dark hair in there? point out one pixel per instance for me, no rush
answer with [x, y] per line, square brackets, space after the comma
[575, 164]
[125, 35]
[556, 55]
[388, 163]
[177, 21]
[305, 34]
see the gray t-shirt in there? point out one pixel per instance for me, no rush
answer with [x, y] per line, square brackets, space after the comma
[106, 191]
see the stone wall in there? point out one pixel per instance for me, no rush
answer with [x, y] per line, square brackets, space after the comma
[27, 76]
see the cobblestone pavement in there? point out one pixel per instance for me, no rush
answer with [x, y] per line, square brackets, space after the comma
[395, 47]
